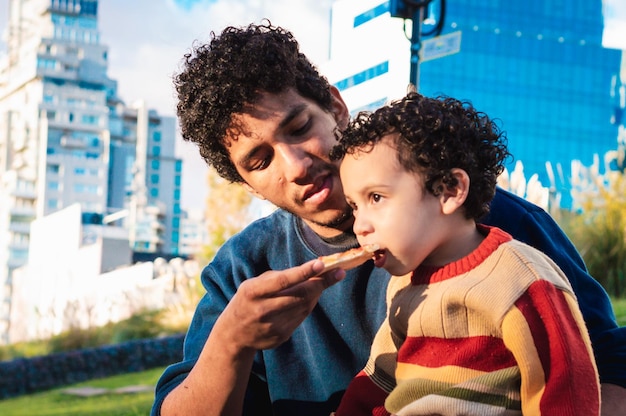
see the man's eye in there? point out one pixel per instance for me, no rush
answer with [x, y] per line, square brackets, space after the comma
[260, 164]
[303, 128]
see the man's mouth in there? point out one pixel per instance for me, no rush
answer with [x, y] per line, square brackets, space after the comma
[319, 191]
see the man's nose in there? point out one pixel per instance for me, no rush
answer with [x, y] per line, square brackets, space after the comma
[296, 161]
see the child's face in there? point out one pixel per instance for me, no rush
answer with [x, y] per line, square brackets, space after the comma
[392, 209]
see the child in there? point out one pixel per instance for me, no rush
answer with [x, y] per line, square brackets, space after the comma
[477, 323]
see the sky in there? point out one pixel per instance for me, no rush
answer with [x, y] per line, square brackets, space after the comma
[148, 38]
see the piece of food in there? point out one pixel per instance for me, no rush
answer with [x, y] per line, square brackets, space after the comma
[349, 259]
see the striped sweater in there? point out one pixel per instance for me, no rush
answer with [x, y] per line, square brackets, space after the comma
[498, 332]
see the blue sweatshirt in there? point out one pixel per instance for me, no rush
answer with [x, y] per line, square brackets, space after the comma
[307, 375]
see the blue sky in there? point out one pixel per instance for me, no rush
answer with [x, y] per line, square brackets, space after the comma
[148, 38]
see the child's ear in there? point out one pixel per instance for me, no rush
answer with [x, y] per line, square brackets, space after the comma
[452, 198]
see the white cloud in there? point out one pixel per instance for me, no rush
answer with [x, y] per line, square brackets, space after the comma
[148, 38]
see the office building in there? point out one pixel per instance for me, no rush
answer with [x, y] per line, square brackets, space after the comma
[537, 66]
[67, 137]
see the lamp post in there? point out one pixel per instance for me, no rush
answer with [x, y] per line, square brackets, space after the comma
[416, 43]
[416, 10]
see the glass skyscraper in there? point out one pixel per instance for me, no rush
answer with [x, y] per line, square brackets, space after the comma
[537, 66]
[540, 67]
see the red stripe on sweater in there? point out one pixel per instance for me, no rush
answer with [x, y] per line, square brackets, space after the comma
[481, 353]
[494, 237]
[564, 356]
[362, 397]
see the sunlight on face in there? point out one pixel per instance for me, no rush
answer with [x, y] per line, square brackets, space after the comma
[390, 207]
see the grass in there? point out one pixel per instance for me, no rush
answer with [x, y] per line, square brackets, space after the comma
[57, 403]
[619, 306]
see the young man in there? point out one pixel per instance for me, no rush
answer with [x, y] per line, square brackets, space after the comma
[270, 335]
[477, 323]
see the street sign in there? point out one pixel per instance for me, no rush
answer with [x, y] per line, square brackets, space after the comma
[440, 46]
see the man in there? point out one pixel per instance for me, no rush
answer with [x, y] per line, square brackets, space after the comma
[271, 336]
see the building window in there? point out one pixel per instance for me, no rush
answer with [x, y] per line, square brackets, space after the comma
[363, 76]
[90, 119]
[81, 188]
[371, 14]
[46, 63]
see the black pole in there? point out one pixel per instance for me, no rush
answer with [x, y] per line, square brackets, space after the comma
[416, 44]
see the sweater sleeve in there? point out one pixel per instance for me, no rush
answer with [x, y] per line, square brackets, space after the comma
[546, 334]
[531, 224]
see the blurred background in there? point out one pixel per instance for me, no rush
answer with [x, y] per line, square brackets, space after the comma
[107, 216]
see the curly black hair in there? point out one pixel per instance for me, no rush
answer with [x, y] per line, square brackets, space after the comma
[227, 76]
[432, 137]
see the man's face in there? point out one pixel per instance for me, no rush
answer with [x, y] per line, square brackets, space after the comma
[283, 157]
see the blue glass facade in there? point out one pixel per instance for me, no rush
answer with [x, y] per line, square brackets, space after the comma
[540, 68]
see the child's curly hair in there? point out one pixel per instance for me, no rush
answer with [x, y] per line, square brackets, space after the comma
[227, 76]
[434, 136]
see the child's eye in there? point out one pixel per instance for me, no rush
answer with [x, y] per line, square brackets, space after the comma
[376, 198]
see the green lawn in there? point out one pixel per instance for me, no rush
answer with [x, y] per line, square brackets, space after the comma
[619, 306]
[57, 403]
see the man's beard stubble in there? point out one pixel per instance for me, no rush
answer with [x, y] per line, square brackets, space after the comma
[336, 223]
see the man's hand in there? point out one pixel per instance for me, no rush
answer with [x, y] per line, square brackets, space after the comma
[267, 309]
[262, 314]
[613, 400]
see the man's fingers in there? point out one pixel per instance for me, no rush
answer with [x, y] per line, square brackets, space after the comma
[276, 282]
[273, 304]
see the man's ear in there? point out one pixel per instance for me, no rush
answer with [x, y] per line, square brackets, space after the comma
[252, 191]
[452, 198]
[339, 108]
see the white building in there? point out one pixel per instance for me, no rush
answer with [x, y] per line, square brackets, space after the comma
[66, 137]
[369, 53]
[82, 278]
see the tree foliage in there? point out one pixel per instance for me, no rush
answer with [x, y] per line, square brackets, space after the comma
[227, 211]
